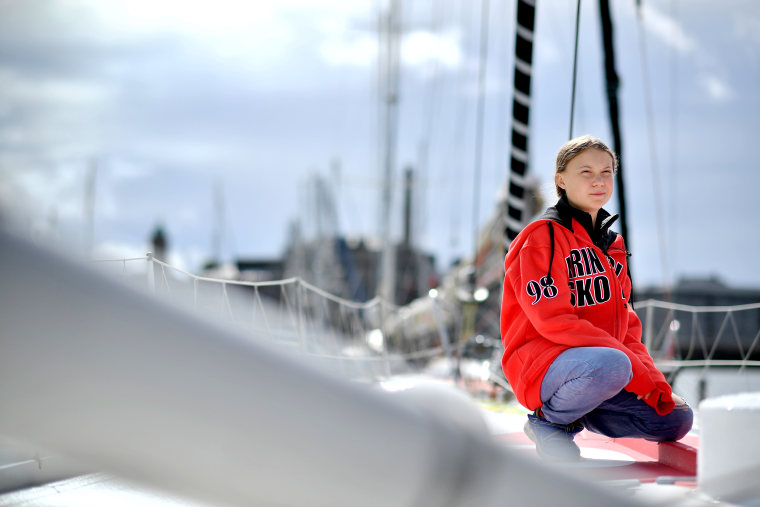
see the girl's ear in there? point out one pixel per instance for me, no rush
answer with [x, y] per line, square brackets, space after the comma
[559, 181]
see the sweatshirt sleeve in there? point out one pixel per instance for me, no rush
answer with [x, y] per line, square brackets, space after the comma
[546, 302]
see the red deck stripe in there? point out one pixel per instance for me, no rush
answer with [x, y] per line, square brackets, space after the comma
[652, 459]
[679, 455]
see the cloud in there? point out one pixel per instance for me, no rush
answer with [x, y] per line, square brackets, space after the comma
[709, 66]
[359, 52]
[667, 30]
[716, 88]
[20, 89]
[121, 169]
[747, 26]
[222, 24]
[418, 48]
[421, 47]
[747, 35]
[61, 187]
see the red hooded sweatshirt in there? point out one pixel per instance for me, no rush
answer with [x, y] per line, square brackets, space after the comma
[566, 285]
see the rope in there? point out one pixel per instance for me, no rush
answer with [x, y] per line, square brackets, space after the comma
[696, 309]
[704, 363]
[320, 330]
[352, 304]
[219, 280]
[483, 60]
[453, 158]
[287, 281]
[128, 259]
[657, 188]
[391, 356]
[674, 141]
[575, 66]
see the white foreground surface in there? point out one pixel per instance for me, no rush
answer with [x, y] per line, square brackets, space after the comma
[729, 452]
[129, 386]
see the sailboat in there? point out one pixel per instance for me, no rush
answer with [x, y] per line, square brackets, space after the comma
[152, 404]
[112, 395]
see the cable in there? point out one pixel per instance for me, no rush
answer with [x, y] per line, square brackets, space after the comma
[673, 136]
[483, 65]
[453, 159]
[575, 66]
[430, 108]
[653, 155]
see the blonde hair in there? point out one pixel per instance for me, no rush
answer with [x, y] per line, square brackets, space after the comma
[575, 147]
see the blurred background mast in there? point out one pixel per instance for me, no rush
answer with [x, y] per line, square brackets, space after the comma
[217, 232]
[90, 189]
[470, 301]
[389, 28]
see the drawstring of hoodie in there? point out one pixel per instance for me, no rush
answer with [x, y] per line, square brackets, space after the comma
[551, 255]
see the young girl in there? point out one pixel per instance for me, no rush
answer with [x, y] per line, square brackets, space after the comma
[573, 351]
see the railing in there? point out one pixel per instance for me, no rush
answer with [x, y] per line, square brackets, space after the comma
[680, 335]
[359, 340]
[704, 350]
[375, 339]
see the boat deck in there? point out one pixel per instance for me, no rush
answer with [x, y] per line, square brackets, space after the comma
[647, 471]
[604, 458]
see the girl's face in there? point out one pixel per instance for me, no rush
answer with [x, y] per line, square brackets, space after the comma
[588, 180]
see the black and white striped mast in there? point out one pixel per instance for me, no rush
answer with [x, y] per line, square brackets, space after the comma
[517, 206]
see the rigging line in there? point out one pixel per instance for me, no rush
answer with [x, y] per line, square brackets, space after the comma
[430, 108]
[673, 136]
[378, 90]
[653, 153]
[579, 110]
[575, 66]
[433, 86]
[502, 120]
[479, 126]
[454, 156]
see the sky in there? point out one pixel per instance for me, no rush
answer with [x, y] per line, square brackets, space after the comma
[216, 119]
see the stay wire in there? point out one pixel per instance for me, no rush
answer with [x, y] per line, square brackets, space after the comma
[453, 158]
[674, 141]
[657, 187]
[479, 127]
[575, 66]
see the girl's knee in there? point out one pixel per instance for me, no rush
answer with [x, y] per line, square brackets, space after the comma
[619, 361]
[678, 423]
[684, 419]
[618, 371]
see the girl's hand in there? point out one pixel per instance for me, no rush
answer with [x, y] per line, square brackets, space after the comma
[676, 399]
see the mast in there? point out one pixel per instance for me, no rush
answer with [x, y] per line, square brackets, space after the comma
[90, 189]
[217, 233]
[613, 83]
[517, 206]
[389, 81]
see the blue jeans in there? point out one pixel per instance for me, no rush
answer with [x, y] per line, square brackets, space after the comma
[586, 384]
